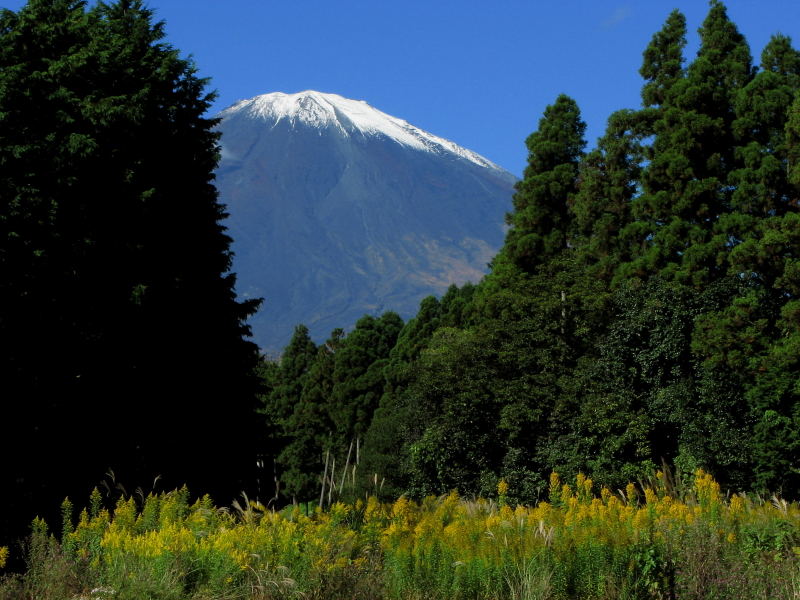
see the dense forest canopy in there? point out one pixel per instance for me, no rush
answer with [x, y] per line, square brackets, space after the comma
[643, 310]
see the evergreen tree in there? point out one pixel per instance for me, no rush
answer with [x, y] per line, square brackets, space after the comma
[539, 223]
[762, 192]
[386, 440]
[288, 381]
[481, 398]
[120, 333]
[484, 402]
[663, 60]
[358, 376]
[759, 336]
[695, 358]
[677, 232]
[608, 182]
[457, 309]
[746, 341]
[309, 427]
[391, 434]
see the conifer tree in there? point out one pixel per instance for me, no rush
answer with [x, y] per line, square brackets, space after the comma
[759, 335]
[385, 442]
[685, 193]
[539, 223]
[481, 396]
[392, 430]
[608, 181]
[287, 385]
[663, 60]
[358, 375]
[118, 318]
[746, 342]
[309, 427]
[763, 193]
[456, 306]
[412, 339]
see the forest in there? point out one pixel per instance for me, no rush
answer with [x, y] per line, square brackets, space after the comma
[612, 412]
[642, 311]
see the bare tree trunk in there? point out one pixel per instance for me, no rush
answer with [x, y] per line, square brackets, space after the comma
[324, 477]
[277, 481]
[346, 464]
[333, 477]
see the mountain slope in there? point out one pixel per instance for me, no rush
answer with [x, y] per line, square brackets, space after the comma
[338, 209]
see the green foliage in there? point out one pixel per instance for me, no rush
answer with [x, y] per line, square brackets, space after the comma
[663, 61]
[323, 399]
[678, 232]
[539, 223]
[358, 375]
[288, 424]
[310, 425]
[550, 368]
[642, 310]
[114, 259]
[608, 183]
[684, 542]
[393, 428]
[288, 380]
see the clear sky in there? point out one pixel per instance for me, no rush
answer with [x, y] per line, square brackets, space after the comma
[477, 73]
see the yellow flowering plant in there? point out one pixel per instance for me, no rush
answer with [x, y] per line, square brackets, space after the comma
[584, 542]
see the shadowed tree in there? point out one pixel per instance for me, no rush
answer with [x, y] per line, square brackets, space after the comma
[358, 376]
[309, 427]
[121, 342]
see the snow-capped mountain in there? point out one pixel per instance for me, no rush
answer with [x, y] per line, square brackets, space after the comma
[338, 209]
[353, 118]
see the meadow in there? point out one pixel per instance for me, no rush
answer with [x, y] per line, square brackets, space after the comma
[647, 541]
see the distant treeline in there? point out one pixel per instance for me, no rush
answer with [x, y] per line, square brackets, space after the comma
[644, 308]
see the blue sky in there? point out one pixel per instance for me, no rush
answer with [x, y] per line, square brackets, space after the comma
[477, 73]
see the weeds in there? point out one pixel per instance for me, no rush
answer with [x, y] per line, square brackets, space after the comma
[635, 544]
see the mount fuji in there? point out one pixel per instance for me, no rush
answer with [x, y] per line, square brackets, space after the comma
[338, 209]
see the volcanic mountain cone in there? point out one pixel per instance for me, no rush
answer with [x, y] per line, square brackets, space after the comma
[337, 210]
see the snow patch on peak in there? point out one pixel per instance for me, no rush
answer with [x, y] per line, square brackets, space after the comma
[353, 118]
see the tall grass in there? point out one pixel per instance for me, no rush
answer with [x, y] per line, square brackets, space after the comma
[629, 544]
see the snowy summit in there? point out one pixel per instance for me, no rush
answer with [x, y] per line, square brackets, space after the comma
[338, 210]
[352, 118]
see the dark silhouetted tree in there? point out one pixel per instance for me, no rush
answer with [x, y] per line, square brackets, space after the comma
[121, 342]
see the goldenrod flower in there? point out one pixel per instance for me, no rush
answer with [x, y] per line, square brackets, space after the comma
[737, 505]
[630, 493]
[447, 541]
[502, 488]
